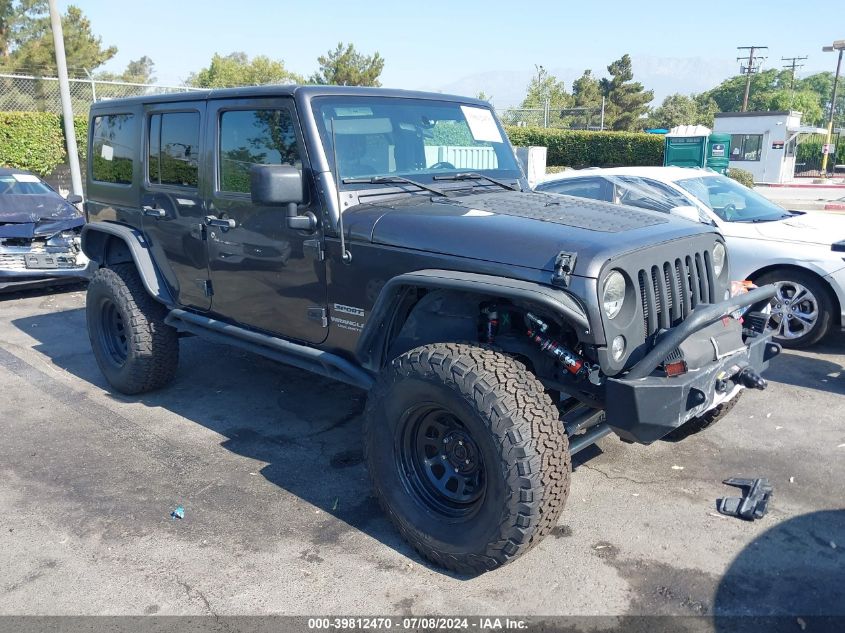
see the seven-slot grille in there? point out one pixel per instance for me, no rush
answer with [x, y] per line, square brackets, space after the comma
[670, 291]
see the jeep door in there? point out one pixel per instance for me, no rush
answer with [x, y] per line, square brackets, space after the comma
[263, 274]
[172, 208]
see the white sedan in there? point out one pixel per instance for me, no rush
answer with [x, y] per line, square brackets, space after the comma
[803, 253]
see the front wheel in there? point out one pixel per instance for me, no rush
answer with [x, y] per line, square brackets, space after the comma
[466, 455]
[801, 310]
[704, 421]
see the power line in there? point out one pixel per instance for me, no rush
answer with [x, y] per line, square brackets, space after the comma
[752, 65]
[793, 66]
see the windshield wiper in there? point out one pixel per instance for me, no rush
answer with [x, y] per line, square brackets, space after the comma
[471, 175]
[386, 180]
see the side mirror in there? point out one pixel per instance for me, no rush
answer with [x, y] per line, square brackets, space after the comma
[687, 212]
[74, 198]
[277, 185]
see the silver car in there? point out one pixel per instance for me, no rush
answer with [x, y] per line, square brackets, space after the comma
[803, 253]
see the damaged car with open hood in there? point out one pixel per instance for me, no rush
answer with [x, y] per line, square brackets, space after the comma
[389, 240]
[39, 233]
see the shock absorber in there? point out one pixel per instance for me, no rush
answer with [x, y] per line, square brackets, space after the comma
[490, 322]
[573, 363]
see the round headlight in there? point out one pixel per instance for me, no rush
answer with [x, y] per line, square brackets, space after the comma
[617, 348]
[613, 294]
[720, 256]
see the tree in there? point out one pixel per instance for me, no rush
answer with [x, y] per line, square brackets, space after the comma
[139, 71]
[586, 94]
[236, 69]
[679, 109]
[347, 67]
[773, 90]
[30, 41]
[483, 96]
[627, 100]
[7, 19]
[586, 91]
[545, 88]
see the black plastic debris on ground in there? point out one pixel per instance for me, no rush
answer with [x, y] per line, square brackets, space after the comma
[752, 505]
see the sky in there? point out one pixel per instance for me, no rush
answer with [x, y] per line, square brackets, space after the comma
[465, 46]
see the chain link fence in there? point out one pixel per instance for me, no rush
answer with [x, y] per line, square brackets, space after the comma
[565, 119]
[28, 93]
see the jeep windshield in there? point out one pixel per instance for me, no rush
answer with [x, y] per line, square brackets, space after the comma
[380, 139]
[732, 201]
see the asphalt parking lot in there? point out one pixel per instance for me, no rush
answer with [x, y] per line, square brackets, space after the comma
[279, 518]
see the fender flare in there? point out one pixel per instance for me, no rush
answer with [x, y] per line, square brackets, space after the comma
[370, 348]
[96, 236]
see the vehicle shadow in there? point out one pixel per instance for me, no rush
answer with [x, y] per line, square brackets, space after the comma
[59, 286]
[306, 429]
[810, 372]
[768, 581]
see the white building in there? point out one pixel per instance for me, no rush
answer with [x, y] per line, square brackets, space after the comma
[763, 142]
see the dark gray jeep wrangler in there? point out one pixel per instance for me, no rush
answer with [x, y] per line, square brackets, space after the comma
[387, 239]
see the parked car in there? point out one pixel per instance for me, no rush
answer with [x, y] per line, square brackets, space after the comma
[39, 233]
[795, 250]
[388, 239]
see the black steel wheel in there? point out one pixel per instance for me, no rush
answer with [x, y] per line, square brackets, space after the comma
[134, 348]
[466, 454]
[112, 333]
[440, 461]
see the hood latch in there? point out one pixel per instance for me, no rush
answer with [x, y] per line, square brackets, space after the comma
[564, 265]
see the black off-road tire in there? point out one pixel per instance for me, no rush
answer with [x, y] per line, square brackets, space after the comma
[136, 351]
[512, 425]
[824, 299]
[705, 421]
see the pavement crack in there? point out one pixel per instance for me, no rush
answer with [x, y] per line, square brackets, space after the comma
[193, 593]
[652, 482]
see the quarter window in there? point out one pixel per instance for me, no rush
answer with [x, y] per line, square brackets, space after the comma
[746, 146]
[254, 137]
[174, 149]
[113, 144]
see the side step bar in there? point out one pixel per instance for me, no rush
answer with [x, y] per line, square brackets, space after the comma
[301, 356]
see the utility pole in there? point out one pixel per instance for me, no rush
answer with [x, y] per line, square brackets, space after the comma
[838, 45]
[751, 66]
[793, 66]
[64, 91]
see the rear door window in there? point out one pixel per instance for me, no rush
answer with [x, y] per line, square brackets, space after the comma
[174, 149]
[114, 144]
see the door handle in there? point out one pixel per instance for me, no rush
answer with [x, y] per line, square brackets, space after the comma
[223, 223]
[153, 212]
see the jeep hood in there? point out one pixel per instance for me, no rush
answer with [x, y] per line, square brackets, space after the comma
[27, 216]
[805, 227]
[523, 229]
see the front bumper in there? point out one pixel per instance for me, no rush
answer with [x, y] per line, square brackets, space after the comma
[643, 405]
[15, 275]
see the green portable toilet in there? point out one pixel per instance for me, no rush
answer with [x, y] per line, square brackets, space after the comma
[697, 146]
[686, 146]
[718, 152]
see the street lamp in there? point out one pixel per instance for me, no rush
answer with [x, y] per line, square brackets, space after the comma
[838, 45]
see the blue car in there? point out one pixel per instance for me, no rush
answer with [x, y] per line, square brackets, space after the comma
[39, 233]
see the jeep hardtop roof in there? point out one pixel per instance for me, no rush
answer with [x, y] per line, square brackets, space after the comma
[308, 92]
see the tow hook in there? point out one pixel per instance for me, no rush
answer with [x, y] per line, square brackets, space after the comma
[751, 379]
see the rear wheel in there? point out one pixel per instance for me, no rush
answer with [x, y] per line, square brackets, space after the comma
[802, 309]
[466, 454]
[136, 351]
